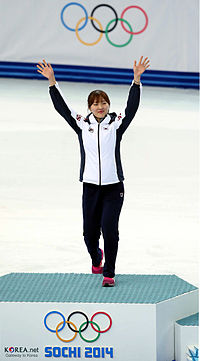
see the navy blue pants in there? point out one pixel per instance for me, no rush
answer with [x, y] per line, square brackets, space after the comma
[101, 209]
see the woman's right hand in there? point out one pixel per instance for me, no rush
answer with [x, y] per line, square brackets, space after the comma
[47, 71]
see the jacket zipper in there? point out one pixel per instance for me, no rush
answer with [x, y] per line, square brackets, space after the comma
[99, 154]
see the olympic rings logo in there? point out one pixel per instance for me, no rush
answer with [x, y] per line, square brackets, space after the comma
[79, 26]
[74, 328]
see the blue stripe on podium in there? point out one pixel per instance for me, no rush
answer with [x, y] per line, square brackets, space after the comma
[86, 288]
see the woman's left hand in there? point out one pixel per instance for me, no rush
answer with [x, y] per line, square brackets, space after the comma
[140, 67]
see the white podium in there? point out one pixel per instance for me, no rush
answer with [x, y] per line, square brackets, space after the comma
[70, 316]
[186, 338]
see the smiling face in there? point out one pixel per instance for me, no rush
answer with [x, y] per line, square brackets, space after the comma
[100, 108]
[98, 104]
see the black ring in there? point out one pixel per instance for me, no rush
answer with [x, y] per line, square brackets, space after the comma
[73, 313]
[108, 6]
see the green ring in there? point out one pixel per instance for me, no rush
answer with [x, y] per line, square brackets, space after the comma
[131, 35]
[84, 339]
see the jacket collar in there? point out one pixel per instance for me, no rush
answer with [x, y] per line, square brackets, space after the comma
[93, 120]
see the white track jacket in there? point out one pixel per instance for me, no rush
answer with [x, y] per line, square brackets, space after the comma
[99, 142]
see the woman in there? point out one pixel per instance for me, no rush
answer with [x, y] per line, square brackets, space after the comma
[100, 134]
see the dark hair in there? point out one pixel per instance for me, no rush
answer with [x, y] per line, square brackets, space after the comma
[95, 95]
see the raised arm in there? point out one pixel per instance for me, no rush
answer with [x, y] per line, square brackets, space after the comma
[47, 71]
[140, 68]
[72, 118]
[134, 94]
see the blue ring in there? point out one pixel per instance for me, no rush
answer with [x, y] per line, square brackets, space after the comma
[86, 16]
[45, 321]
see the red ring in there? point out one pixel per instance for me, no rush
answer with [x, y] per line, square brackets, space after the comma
[146, 17]
[104, 313]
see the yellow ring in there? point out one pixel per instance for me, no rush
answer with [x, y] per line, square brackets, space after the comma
[62, 339]
[83, 42]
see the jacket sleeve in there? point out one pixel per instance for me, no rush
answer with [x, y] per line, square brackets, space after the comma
[74, 119]
[131, 108]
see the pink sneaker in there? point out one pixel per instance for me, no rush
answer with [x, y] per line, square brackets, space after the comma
[108, 282]
[99, 269]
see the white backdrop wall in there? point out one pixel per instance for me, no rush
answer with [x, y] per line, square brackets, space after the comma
[32, 30]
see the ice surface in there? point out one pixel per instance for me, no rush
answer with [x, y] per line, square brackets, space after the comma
[40, 195]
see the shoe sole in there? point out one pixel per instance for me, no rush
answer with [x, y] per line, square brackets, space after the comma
[108, 284]
[97, 272]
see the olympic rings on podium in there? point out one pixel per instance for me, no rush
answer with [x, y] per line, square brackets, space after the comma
[96, 338]
[100, 28]
[68, 322]
[81, 313]
[45, 321]
[82, 327]
[103, 313]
